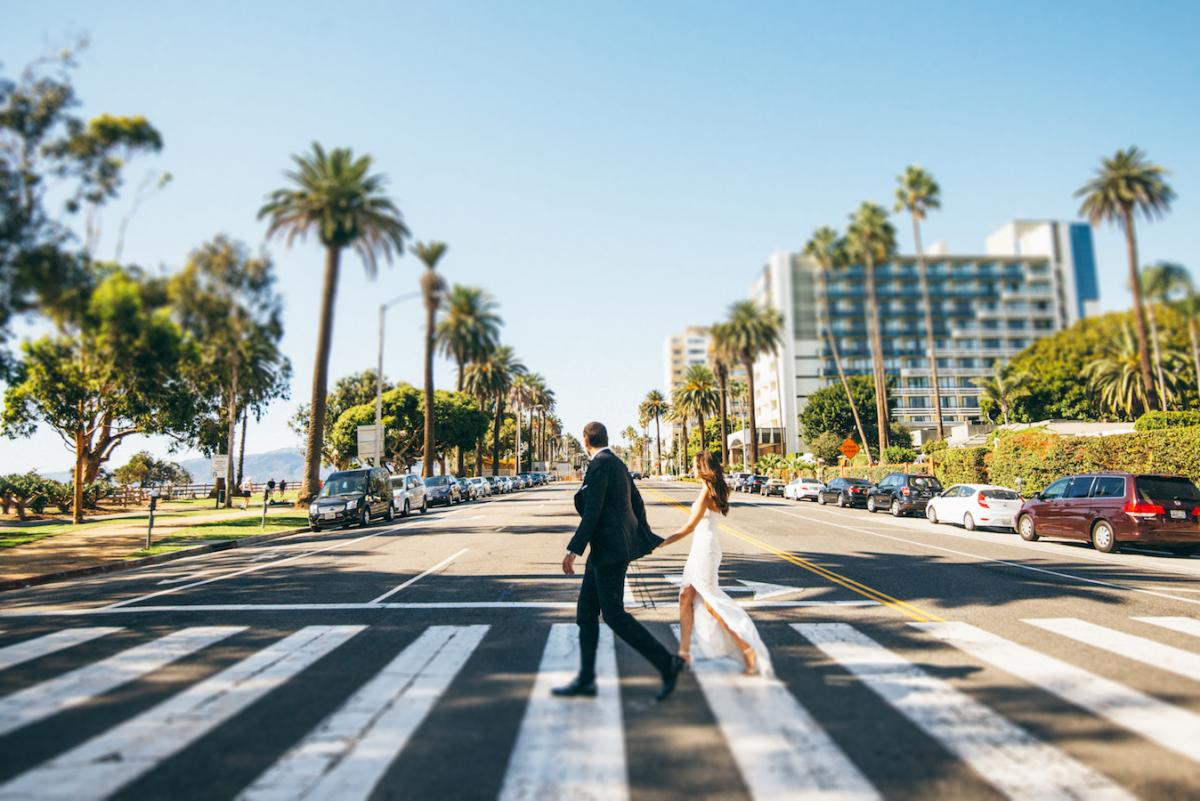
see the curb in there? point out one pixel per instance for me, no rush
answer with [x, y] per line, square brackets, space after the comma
[145, 561]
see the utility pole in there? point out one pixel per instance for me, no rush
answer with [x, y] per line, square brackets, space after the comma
[383, 307]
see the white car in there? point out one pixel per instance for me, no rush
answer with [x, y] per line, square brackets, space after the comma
[803, 489]
[974, 506]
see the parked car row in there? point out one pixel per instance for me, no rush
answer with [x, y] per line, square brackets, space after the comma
[361, 496]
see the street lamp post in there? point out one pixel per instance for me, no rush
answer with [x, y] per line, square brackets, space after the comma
[383, 307]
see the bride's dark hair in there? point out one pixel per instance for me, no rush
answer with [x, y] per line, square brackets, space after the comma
[708, 470]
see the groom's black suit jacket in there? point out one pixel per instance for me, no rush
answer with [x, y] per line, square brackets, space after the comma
[614, 516]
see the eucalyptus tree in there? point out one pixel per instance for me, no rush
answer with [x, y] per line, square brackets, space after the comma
[432, 289]
[492, 377]
[657, 407]
[469, 330]
[918, 194]
[753, 331]
[336, 197]
[871, 240]
[827, 251]
[1127, 185]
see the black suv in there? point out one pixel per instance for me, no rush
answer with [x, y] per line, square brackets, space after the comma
[901, 493]
[845, 492]
[353, 496]
[754, 484]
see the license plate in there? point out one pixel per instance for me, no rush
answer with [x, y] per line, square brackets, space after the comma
[328, 515]
[1178, 514]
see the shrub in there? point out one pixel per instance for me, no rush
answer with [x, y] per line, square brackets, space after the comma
[962, 465]
[934, 446]
[1154, 421]
[825, 447]
[898, 454]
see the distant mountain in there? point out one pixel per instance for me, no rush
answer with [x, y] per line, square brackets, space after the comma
[285, 463]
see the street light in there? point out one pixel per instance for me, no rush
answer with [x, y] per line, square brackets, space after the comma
[383, 307]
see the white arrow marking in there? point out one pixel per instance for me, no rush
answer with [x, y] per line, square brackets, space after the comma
[761, 589]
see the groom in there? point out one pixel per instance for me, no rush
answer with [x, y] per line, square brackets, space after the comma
[614, 525]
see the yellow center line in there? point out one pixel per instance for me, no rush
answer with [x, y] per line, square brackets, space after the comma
[903, 607]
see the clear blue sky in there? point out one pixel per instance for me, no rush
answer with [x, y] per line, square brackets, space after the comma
[615, 171]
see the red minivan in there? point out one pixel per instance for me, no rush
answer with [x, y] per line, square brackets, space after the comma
[1108, 509]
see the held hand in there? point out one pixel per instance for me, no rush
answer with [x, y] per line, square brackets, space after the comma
[568, 564]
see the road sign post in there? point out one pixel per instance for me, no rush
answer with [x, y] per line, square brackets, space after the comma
[370, 444]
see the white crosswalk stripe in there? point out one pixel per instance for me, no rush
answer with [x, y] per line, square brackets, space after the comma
[1007, 756]
[1170, 726]
[82, 684]
[781, 751]
[109, 761]
[349, 752]
[1139, 649]
[570, 748]
[12, 655]
[1184, 625]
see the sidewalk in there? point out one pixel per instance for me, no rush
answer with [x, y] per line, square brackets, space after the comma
[96, 545]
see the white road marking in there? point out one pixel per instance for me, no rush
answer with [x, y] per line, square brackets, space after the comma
[82, 684]
[570, 747]
[13, 655]
[781, 752]
[1170, 726]
[1007, 756]
[106, 763]
[348, 753]
[415, 579]
[761, 589]
[1139, 649]
[1184, 625]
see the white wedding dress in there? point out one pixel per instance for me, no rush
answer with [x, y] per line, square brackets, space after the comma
[700, 573]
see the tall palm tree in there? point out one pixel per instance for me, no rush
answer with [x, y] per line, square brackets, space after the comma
[697, 396]
[1003, 388]
[825, 249]
[918, 194]
[723, 358]
[336, 197]
[492, 377]
[1126, 185]
[1116, 376]
[469, 331]
[679, 414]
[432, 289]
[737, 400]
[753, 331]
[871, 240]
[644, 422]
[520, 396]
[1162, 283]
[657, 407]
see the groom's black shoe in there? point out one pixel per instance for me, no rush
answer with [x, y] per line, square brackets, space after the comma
[670, 677]
[577, 688]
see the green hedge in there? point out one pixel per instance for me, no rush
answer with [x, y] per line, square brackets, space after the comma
[961, 465]
[1155, 421]
[874, 473]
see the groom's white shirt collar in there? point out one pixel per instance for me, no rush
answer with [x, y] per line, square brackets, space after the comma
[599, 451]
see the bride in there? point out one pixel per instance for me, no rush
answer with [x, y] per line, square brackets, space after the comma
[722, 626]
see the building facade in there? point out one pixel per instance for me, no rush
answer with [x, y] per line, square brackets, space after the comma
[1033, 279]
[691, 347]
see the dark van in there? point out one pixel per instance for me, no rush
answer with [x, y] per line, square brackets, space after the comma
[353, 496]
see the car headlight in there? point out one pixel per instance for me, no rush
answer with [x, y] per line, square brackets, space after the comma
[312, 509]
[350, 505]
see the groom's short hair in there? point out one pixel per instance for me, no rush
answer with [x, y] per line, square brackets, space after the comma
[595, 435]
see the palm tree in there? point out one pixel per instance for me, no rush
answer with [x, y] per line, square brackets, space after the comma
[1127, 185]
[737, 398]
[1116, 376]
[492, 377]
[697, 396]
[679, 414]
[825, 248]
[871, 239]
[644, 422]
[918, 194]
[657, 407]
[753, 331]
[723, 358]
[1161, 283]
[520, 396]
[432, 288]
[335, 196]
[1003, 388]
[469, 331]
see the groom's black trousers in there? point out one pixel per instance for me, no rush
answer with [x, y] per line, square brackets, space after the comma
[603, 592]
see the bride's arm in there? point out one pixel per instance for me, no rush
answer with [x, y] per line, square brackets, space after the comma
[690, 526]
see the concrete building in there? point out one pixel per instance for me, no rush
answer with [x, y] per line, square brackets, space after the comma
[1033, 279]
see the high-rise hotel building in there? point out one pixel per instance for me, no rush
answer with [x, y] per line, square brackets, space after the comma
[1033, 278]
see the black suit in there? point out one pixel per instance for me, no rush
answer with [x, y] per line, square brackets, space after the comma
[614, 526]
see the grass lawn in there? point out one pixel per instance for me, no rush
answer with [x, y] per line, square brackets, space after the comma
[10, 538]
[221, 530]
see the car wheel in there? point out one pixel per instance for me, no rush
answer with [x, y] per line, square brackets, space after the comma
[871, 505]
[391, 513]
[841, 501]
[968, 522]
[364, 517]
[896, 508]
[1103, 538]
[1025, 528]
[424, 505]
[314, 529]
[405, 511]
[931, 514]
[821, 500]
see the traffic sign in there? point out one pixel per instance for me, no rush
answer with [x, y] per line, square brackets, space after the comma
[370, 443]
[849, 449]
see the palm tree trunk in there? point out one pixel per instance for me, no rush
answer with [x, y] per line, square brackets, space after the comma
[517, 452]
[316, 421]
[1156, 354]
[242, 450]
[876, 341]
[658, 441]
[427, 458]
[231, 421]
[837, 363]
[753, 419]
[1135, 286]
[684, 468]
[722, 380]
[496, 434]
[930, 348]
[700, 427]
[461, 456]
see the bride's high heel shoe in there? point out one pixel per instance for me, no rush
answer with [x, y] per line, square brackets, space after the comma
[751, 661]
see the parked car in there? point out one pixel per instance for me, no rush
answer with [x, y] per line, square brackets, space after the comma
[736, 480]
[505, 484]
[774, 486]
[443, 490]
[975, 506]
[482, 488]
[635, 474]
[901, 493]
[408, 493]
[353, 496]
[754, 484]
[802, 489]
[1110, 509]
[845, 492]
[466, 490]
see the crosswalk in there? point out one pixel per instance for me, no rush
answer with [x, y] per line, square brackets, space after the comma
[577, 749]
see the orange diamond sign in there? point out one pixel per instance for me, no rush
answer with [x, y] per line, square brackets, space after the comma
[849, 449]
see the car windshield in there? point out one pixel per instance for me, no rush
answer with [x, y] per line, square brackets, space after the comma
[1166, 488]
[340, 484]
[808, 481]
[926, 483]
[436, 481]
[1001, 495]
[760, 478]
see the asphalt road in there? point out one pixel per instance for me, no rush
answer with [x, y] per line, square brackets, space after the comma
[413, 661]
